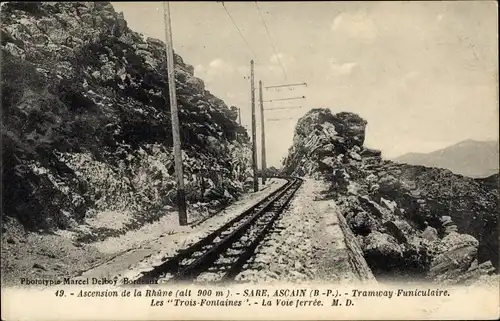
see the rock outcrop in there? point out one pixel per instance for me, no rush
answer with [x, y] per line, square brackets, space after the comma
[86, 124]
[410, 221]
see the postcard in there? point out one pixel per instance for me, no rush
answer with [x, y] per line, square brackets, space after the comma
[313, 160]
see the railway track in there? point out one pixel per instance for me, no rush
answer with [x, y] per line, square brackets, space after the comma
[220, 256]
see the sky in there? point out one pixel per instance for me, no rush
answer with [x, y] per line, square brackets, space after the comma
[423, 74]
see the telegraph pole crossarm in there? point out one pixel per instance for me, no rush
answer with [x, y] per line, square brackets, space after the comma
[288, 107]
[281, 99]
[286, 85]
[278, 119]
[181, 196]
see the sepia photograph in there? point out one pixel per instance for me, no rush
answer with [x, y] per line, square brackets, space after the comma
[269, 146]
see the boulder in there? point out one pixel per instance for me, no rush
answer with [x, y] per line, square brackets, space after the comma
[196, 83]
[14, 50]
[314, 117]
[451, 229]
[476, 274]
[327, 163]
[319, 133]
[155, 43]
[381, 243]
[326, 150]
[446, 220]
[121, 22]
[362, 223]
[417, 254]
[390, 205]
[455, 254]
[430, 234]
[367, 152]
[355, 156]
[382, 252]
[388, 185]
[396, 230]
[448, 225]
[372, 207]
[351, 127]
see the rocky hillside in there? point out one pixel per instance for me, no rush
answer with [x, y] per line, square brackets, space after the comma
[469, 158]
[410, 221]
[86, 127]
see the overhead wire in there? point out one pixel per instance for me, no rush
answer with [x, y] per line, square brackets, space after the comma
[239, 31]
[271, 40]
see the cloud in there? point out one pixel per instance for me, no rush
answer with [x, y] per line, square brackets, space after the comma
[355, 25]
[218, 72]
[214, 69]
[216, 63]
[341, 69]
[221, 66]
[344, 69]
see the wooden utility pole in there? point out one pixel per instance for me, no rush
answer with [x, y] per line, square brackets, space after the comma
[239, 115]
[263, 135]
[254, 139]
[181, 195]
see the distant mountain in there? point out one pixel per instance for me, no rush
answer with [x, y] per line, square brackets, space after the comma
[469, 158]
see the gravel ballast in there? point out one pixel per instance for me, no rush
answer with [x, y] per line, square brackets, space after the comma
[306, 244]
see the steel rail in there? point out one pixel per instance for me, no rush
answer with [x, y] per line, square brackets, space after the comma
[173, 264]
[247, 254]
[208, 258]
